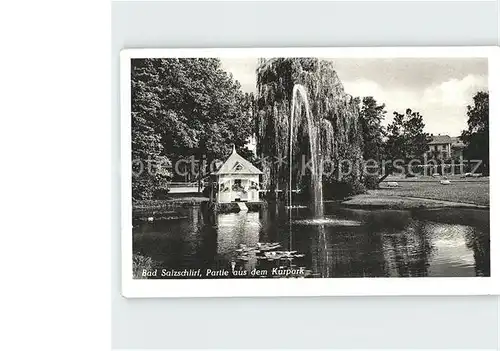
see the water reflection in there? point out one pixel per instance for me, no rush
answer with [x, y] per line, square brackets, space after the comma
[235, 229]
[445, 243]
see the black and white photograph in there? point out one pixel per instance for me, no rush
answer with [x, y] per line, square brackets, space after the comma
[251, 166]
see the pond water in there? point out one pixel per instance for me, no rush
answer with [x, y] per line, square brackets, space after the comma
[346, 243]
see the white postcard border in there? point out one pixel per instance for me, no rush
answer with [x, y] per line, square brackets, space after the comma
[132, 288]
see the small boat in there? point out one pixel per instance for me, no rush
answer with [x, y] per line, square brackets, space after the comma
[445, 182]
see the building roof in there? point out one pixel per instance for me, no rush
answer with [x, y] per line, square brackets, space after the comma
[235, 164]
[440, 139]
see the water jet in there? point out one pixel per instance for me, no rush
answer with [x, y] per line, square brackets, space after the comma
[303, 112]
[316, 172]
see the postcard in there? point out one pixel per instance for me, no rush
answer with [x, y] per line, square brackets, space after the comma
[308, 171]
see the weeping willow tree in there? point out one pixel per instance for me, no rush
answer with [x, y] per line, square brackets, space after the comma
[335, 117]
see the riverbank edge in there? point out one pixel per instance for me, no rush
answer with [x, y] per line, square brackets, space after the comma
[371, 201]
[167, 209]
[360, 201]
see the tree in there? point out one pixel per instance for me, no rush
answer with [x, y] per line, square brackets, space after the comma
[476, 137]
[406, 139]
[146, 141]
[371, 116]
[192, 105]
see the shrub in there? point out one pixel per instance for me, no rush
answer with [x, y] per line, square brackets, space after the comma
[161, 194]
[356, 188]
[339, 190]
[371, 182]
[140, 263]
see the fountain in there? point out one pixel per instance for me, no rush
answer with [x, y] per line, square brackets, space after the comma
[316, 173]
[302, 109]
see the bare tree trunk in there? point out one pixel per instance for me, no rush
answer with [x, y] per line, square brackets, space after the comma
[383, 177]
[200, 170]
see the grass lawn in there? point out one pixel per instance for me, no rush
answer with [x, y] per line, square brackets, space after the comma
[421, 178]
[474, 192]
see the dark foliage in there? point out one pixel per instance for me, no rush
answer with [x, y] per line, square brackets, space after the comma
[339, 190]
[371, 115]
[476, 137]
[334, 114]
[183, 108]
[371, 182]
[406, 139]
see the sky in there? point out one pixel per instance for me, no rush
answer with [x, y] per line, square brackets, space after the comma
[439, 88]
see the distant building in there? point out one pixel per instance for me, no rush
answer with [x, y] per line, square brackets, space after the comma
[237, 180]
[457, 148]
[444, 147]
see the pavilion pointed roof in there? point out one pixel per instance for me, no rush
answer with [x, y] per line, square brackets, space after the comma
[235, 164]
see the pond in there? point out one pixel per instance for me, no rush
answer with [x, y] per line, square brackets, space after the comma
[280, 242]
